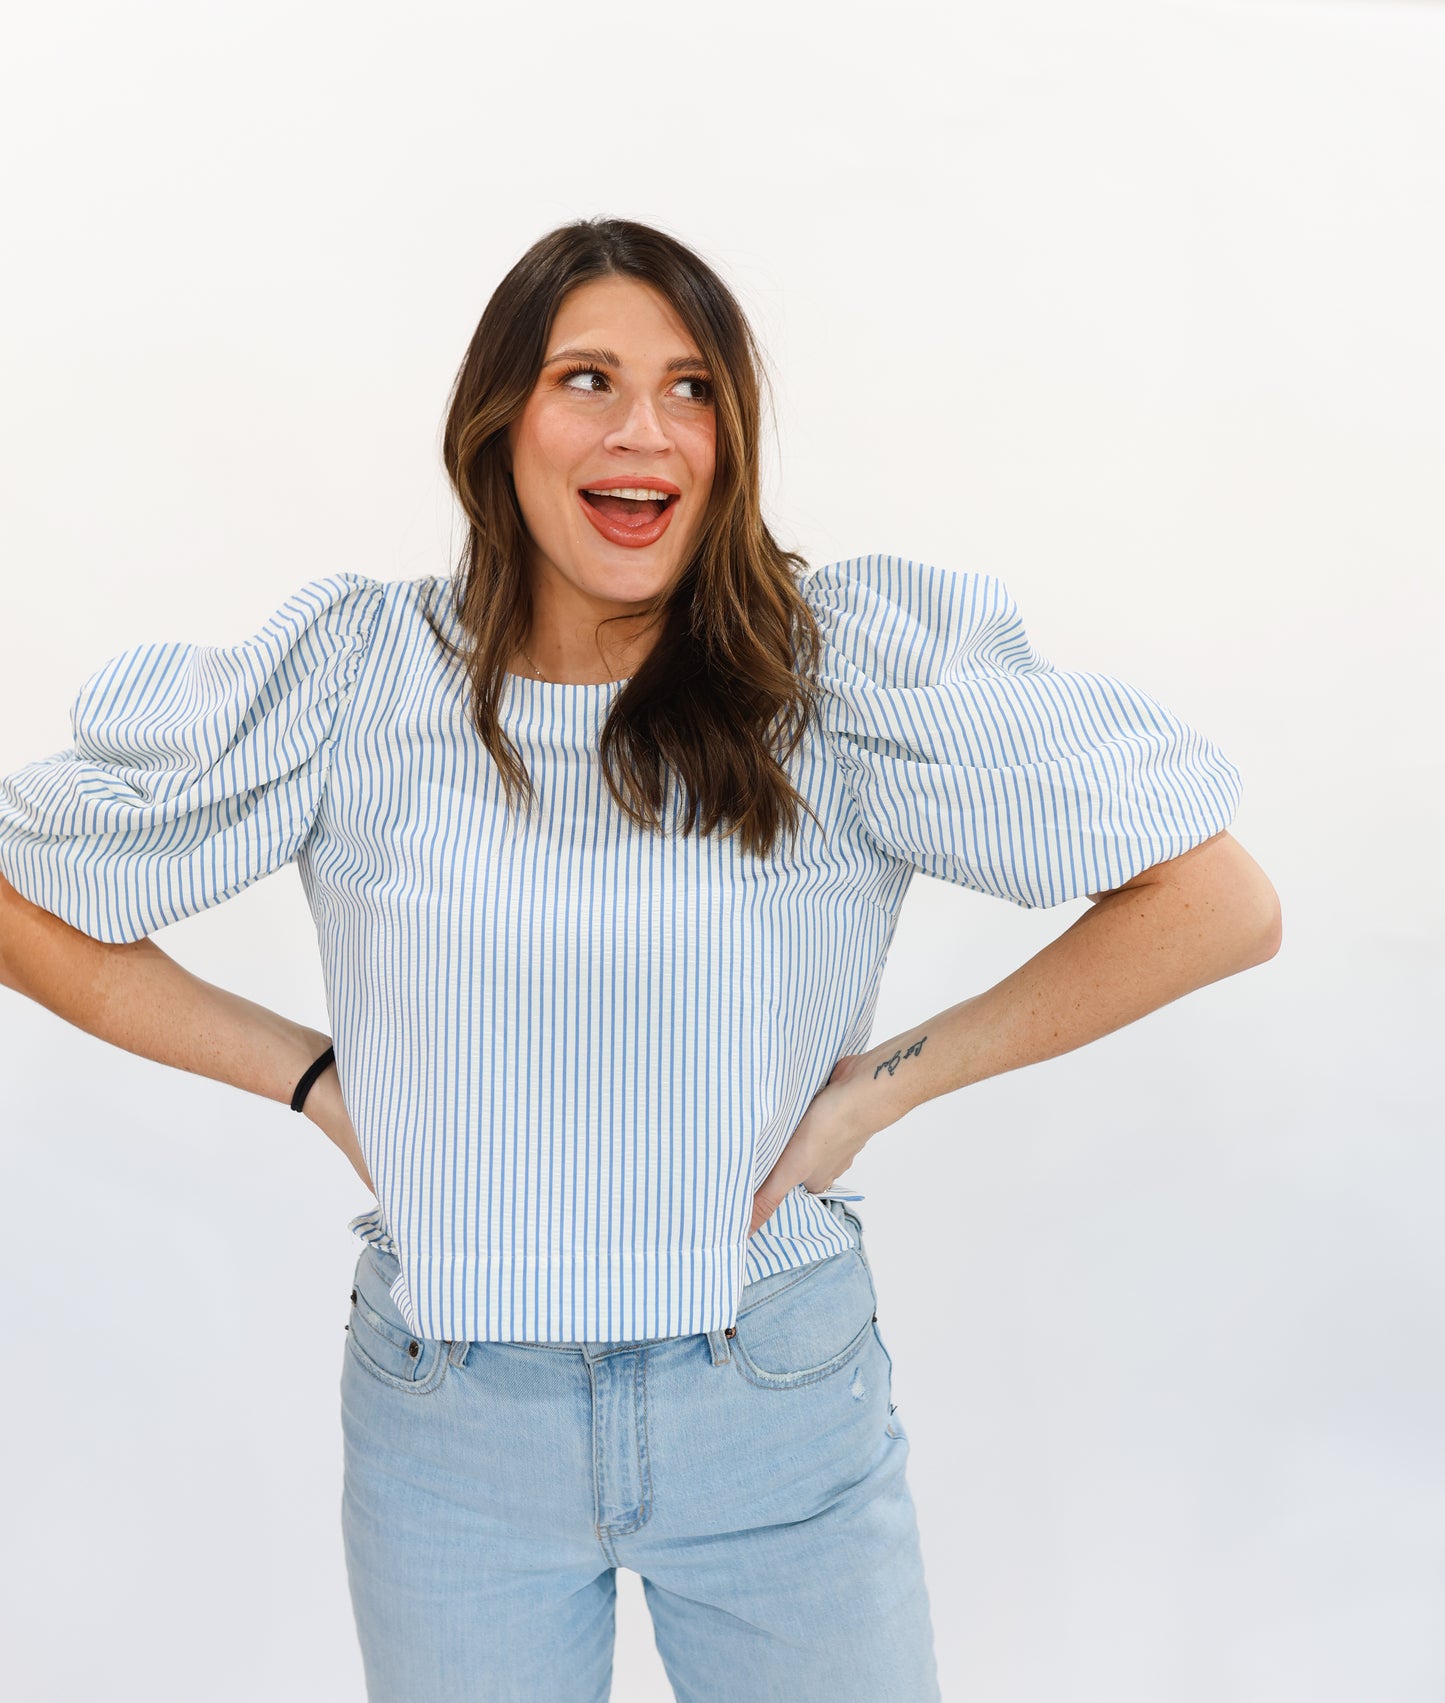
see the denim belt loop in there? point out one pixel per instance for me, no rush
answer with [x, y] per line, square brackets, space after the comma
[718, 1341]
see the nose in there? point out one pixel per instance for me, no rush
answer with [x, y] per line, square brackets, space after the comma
[639, 428]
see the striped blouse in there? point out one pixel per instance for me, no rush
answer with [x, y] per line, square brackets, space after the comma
[572, 1048]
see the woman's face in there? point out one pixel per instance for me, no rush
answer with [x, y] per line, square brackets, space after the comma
[623, 402]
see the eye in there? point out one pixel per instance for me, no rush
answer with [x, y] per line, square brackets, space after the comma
[702, 391]
[581, 372]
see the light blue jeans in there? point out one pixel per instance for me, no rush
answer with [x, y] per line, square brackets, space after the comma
[754, 1478]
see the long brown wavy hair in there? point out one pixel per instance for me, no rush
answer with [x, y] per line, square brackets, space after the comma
[723, 697]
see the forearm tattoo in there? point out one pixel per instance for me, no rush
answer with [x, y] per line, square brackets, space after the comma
[892, 1064]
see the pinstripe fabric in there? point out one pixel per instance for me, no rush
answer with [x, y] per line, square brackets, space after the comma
[572, 1049]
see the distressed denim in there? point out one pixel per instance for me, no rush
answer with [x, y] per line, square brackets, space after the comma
[754, 1477]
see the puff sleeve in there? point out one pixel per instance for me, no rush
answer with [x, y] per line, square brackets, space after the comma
[195, 769]
[971, 757]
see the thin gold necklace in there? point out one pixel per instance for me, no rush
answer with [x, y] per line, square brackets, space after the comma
[538, 672]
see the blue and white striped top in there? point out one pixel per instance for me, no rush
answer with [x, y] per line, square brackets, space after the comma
[571, 1048]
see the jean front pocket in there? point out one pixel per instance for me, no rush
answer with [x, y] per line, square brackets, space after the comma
[806, 1324]
[379, 1338]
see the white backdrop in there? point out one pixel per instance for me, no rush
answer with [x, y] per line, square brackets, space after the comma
[1136, 305]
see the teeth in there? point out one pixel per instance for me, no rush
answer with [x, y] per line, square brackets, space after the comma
[642, 492]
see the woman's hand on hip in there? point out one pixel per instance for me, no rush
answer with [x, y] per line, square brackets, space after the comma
[823, 1146]
[327, 1110]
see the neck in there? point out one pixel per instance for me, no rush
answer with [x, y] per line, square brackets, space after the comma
[585, 663]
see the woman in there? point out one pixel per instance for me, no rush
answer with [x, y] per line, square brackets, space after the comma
[605, 840]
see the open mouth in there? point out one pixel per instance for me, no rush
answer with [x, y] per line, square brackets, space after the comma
[632, 516]
[637, 507]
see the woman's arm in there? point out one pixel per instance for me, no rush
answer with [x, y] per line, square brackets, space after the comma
[1175, 927]
[138, 998]
[1172, 929]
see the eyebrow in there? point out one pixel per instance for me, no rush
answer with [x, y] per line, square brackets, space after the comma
[607, 358]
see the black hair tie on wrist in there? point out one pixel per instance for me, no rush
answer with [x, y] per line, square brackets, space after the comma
[303, 1087]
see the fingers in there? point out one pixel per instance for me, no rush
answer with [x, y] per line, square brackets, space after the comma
[764, 1206]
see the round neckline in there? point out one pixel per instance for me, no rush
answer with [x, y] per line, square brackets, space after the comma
[534, 684]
